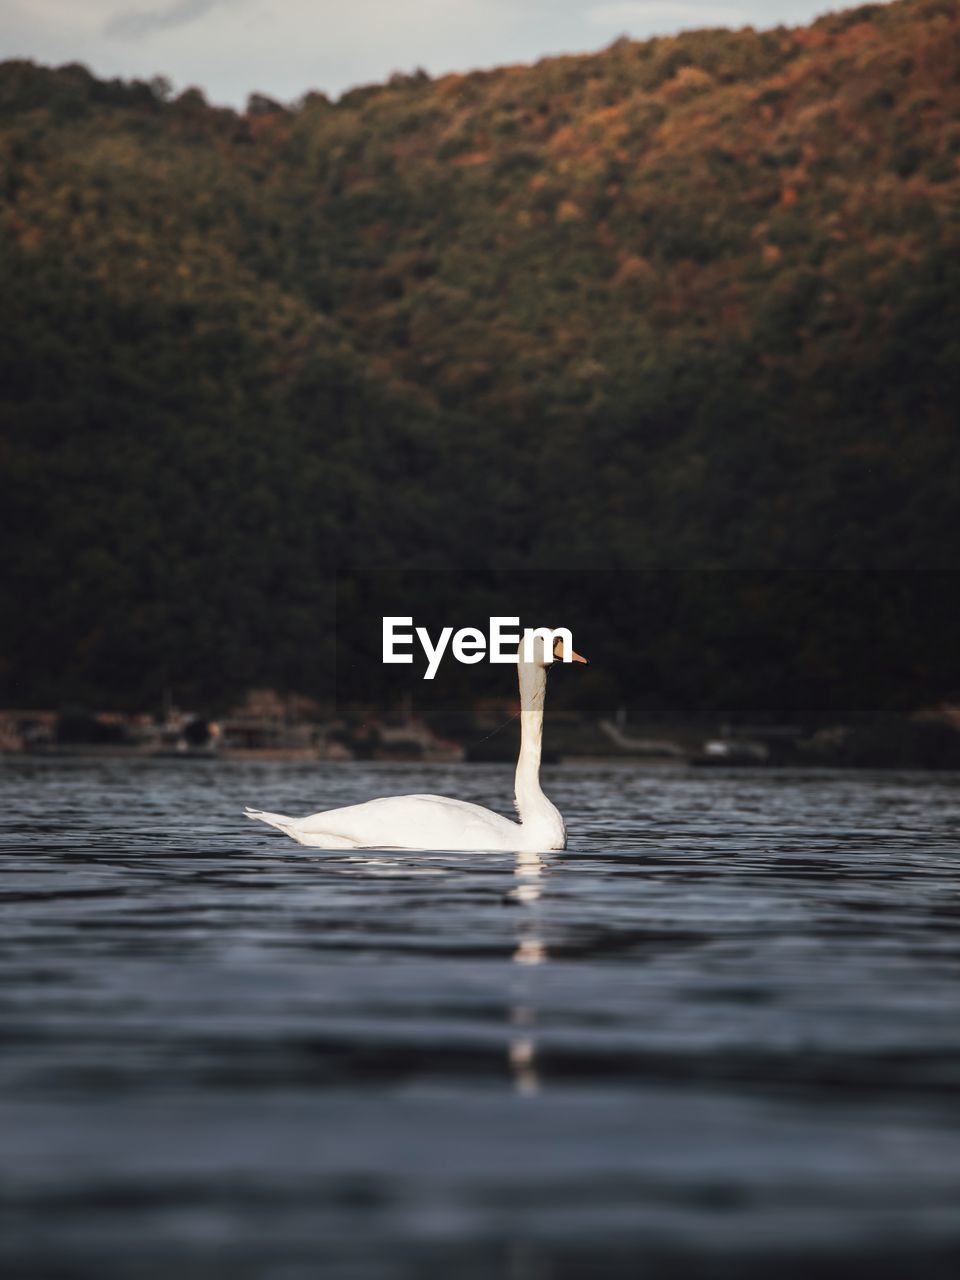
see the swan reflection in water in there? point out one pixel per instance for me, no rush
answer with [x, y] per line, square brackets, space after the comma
[528, 953]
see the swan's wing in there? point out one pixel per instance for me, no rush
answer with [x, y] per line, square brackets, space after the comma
[410, 822]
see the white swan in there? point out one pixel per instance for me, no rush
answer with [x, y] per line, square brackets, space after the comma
[435, 822]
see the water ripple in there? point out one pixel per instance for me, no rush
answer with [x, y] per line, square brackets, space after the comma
[721, 1025]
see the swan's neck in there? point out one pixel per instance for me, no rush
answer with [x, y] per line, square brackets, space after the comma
[535, 810]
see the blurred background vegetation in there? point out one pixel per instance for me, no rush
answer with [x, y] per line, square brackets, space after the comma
[691, 302]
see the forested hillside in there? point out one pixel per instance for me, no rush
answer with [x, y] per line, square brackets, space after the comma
[687, 302]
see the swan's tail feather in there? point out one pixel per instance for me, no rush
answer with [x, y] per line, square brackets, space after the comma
[278, 820]
[293, 827]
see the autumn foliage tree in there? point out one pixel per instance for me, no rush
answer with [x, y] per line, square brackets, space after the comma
[685, 302]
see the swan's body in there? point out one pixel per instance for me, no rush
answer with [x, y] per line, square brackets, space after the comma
[436, 822]
[410, 822]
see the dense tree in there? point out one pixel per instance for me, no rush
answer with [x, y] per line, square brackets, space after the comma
[691, 302]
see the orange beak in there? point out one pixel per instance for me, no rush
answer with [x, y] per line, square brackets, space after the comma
[575, 657]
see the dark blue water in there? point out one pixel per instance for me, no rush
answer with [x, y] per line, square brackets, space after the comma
[718, 1036]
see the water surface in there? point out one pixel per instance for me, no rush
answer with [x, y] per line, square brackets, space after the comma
[719, 1035]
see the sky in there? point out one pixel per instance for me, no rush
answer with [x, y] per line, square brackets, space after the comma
[230, 48]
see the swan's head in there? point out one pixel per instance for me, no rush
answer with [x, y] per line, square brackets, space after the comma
[547, 647]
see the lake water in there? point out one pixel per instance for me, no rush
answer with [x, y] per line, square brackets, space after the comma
[718, 1036]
